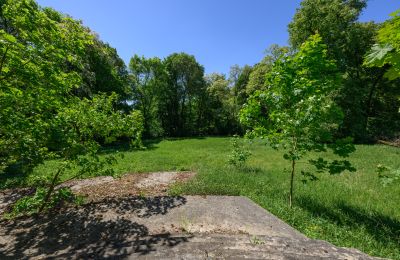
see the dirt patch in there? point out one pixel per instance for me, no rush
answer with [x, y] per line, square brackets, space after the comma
[394, 142]
[146, 184]
[98, 188]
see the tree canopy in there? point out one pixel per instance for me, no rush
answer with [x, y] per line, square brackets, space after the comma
[364, 94]
[44, 71]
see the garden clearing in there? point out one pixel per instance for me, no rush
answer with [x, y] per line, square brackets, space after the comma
[350, 210]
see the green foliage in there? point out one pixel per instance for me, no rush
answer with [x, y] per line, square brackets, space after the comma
[239, 154]
[171, 94]
[43, 54]
[335, 21]
[79, 127]
[257, 75]
[239, 79]
[82, 123]
[45, 67]
[365, 96]
[35, 53]
[103, 71]
[297, 112]
[387, 175]
[148, 78]
[30, 205]
[182, 102]
[387, 50]
[386, 54]
[219, 111]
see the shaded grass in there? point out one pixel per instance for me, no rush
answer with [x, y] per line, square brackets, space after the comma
[351, 210]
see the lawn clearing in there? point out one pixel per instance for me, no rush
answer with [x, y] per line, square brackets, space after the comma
[349, 210]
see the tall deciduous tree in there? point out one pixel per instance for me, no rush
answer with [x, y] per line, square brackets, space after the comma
[220, 104]
[182, 101]
[240, 78]
[363, 95]
[386, 52]
[43, 54]
[149, 79]
[104, 71]
[257, 75]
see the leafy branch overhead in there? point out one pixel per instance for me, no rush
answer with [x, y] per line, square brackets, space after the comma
[387, 50]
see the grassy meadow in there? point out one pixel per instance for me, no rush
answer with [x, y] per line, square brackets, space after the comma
[349, 210]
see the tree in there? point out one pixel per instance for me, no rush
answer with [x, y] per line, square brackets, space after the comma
[386, 53]
[35, 78]
[42, 58]
[182, 100]
[104, 71]
[238, 79]
[257, 75]
[239, 83]
[333, 20]
[219, 105]
[148, 78]
[363, 95]
[297, 111]
[79, 126]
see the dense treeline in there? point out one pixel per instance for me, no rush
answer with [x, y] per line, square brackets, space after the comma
[177, 99]
[210, 104]
[49, 63]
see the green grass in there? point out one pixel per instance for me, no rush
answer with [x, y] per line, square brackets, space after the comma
[350, 210]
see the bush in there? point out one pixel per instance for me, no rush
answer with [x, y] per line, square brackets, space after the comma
[239, 154]
[30, 205]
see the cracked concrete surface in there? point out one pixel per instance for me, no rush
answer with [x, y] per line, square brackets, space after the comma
[190, 227]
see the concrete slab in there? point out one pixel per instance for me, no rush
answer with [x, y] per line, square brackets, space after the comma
[216, 214]
[192, 227]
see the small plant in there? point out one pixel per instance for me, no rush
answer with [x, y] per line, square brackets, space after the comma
[387, 175]
[186, 225]
[256, 240]
[30, 205]
[239, 154]
[142, 194]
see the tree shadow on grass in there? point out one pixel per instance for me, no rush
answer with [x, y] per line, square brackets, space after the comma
[13, 180]
[148, 144]
[84, 233]
[251, 170]
[381, 227]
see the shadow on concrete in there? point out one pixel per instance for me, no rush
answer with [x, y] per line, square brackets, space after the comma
[84, 233]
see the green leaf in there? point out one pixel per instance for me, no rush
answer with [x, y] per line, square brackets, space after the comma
[377, 54]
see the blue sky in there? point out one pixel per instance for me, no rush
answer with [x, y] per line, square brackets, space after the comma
[220, 33]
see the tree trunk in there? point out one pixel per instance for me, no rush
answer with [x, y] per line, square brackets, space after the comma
[51, 189]
[291, 184]
[368, 109]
